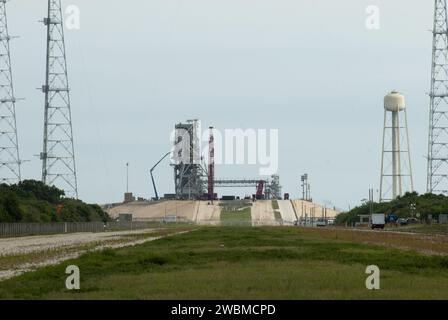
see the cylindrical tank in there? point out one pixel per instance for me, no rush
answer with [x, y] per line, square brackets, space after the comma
[394, 102]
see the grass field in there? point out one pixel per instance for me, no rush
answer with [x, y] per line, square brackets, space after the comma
[424, 228]
[236, 216]
[241, 263]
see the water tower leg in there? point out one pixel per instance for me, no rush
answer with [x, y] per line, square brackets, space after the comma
[395, 155]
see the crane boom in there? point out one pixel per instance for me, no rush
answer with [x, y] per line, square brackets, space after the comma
[152, 176]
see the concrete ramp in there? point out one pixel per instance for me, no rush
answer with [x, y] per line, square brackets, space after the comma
[158, 210]
[263, 213]
[208, 213]
[306, 207]
[287, 211]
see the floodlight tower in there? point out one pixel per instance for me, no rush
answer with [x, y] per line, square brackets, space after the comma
[58, 155]
[438, 115]
[396, 169]
[9, 145]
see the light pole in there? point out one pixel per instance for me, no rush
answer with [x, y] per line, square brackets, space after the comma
[305, 187]
[127, 177]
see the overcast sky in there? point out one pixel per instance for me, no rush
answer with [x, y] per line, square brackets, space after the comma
[309, 68]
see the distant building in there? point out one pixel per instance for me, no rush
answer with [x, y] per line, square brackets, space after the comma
[129, 197]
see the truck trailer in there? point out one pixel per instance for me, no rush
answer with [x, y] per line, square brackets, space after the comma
[378, 221]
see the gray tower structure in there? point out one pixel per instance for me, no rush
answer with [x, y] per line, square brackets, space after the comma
[438, 116]
[58, 155]
[9, 145]
[189, 173]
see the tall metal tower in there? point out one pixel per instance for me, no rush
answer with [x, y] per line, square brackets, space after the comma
[211, 166]
[188, 170]
[58, 155]
[438, 116]
[396, 168]
[9, 146]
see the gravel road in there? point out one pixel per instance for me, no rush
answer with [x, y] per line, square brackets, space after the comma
[24, 245]
[42, 246]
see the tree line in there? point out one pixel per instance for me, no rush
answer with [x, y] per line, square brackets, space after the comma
[408, 205]
[33, 201]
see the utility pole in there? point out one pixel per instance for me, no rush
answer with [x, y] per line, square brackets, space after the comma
[9, 145]
[127, 177]
[211, 167]
[308, 197]
[437, 180]
[305, 187]
[58, 155]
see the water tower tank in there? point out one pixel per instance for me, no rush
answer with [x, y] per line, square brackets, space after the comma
[394, 102]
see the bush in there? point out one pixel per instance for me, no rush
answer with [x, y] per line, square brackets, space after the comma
[9, 205]
[424, 205]
[33, 201]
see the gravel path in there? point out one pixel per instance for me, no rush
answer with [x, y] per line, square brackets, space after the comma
[44, 244]
[24, 245]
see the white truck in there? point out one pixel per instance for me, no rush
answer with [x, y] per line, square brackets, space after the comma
[378, 221]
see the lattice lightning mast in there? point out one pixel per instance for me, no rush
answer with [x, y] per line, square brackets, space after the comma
[9, 146]
[58, 155]
[438, 119]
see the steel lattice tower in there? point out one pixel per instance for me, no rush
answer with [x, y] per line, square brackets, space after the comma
[438, 118]
[188, 170]
[9, 146]
[58, 155]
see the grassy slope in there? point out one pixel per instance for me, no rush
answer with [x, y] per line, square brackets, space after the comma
[277, 214]
[236, 216]
[241, 263]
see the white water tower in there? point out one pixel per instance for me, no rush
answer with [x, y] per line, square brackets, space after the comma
[396, 168]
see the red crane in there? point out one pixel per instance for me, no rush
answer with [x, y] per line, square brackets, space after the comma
[211, 166]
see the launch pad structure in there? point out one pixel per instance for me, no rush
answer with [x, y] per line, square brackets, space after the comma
[194, 180]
